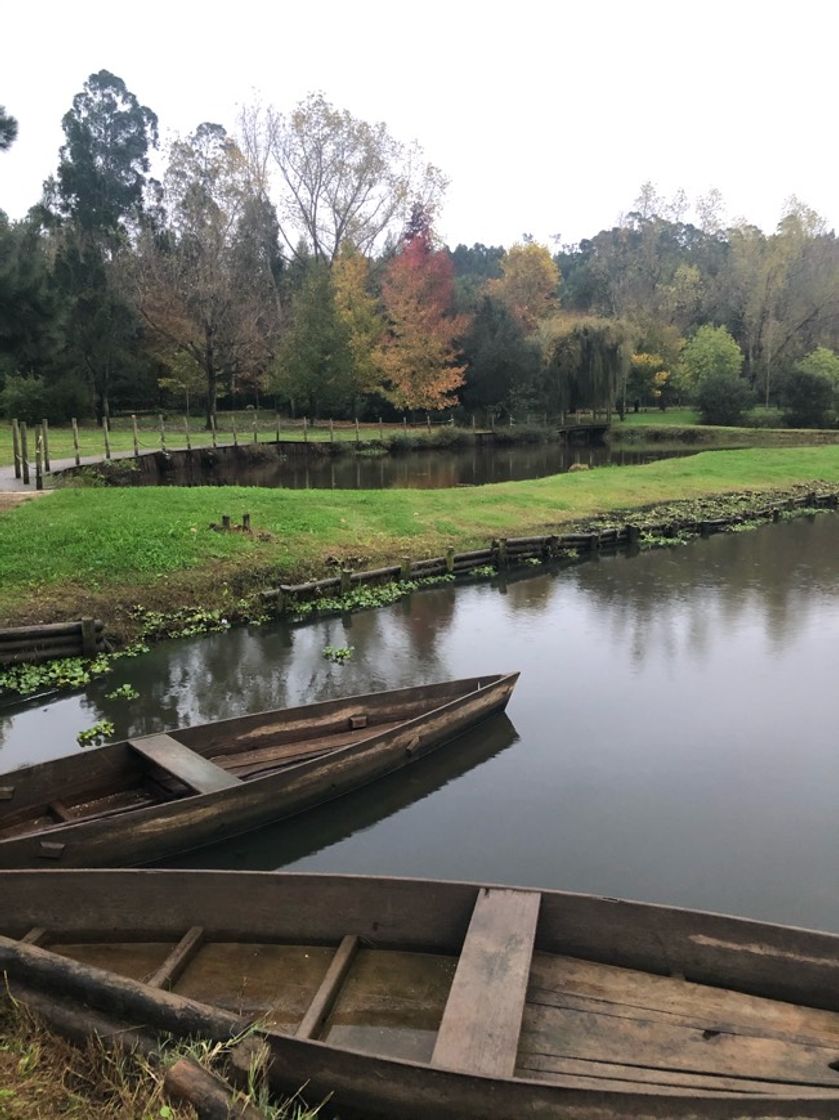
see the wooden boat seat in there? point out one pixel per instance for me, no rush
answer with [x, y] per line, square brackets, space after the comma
[481, 1023]
[198, 773]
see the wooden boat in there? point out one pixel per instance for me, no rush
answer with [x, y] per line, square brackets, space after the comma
[421, 1000]
[139, 800]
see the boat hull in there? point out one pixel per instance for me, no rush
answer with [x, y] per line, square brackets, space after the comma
[732, 957]
[148, 834]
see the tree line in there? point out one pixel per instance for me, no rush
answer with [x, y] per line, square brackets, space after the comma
[297, 261]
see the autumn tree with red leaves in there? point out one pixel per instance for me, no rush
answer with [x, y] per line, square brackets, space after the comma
[420, 355]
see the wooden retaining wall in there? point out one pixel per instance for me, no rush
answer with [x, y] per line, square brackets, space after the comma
[507, 552]
[85, 638]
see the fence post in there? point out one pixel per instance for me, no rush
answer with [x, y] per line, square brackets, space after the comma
[331, 430]
[76, 441]
[450, 560]
[88, 637]
[24, 453]
[16, 447]
[246, 522]
[405, 565]
[277, 418]
[473, 421]
[39, 454]
[381, 433]
[106, 431]
[186, 430]
[357, 437]
[346, 574]
[134, 436]
[213, 428]
[501, 552]
[162, 432]
[235, 433]
[225, 522]
[428, 421]
[45, 428]
[305, 429]
[256, 427]
[404, 421]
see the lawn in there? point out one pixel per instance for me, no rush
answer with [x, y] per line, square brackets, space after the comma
[98, 550]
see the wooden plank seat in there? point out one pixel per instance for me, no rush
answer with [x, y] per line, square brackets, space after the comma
[198, 773]
[482, 1019]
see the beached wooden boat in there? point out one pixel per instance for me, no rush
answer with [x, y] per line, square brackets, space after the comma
[415, 999]
[145, 798]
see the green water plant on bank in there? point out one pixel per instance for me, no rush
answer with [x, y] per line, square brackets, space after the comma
[363, 598]
[338, 655]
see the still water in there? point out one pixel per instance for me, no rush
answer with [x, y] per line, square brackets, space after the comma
[429, 470]
[672, 737]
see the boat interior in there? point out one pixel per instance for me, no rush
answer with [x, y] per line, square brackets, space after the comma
[502, 1005]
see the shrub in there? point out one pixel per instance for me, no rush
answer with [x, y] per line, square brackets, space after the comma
[807, 396]
[32, 399]
[722, 398]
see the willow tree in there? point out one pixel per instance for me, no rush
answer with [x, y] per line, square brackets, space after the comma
[586, 364]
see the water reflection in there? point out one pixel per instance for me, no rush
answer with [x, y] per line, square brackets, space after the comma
[674, 727]
[466, 466]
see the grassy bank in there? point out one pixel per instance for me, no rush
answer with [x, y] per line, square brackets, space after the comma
[103, 551]
[43, 1077]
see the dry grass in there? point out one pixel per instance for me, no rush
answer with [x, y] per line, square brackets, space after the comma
[44, 1077]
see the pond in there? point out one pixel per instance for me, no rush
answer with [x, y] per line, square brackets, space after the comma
[428, 469]
[671, 738]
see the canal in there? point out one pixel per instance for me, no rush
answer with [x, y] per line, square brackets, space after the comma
[671, 737]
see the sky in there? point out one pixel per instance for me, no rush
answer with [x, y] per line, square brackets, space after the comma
[546, 117]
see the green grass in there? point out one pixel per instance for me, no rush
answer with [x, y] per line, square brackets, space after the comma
[103, 549]
[672, 417]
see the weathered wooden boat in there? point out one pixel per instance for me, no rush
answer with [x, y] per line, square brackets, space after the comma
[436, 999]
[144, 798]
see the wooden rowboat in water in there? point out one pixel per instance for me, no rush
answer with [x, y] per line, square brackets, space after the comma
[412, 999]
[139, 800]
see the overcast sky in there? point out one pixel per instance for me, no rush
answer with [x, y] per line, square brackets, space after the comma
[546, 117]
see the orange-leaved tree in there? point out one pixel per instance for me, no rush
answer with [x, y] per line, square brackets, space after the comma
[420, 353]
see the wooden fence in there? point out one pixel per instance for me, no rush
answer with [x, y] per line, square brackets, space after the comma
[85, 638]
[508, 552]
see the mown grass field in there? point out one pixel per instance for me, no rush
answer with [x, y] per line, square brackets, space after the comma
[101, 550]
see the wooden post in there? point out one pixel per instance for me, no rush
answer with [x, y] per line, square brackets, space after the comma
[186, 432]
[134, 436]
[106, 432]
[277, 418]
[246, 522]
[39, 457]
[256, 427]
[88, 637]
[16, 447]
[511, 419]
[346, 573]
[450, 560]
[473, 421]
[331, 430]
[776, 515]
[24, 453]
[406, 568]
[225, 522]
[233, 425]
[404, 422]
[76, 441]
[162, 432]
[501, 551]
[213, 428]
[305, 429]
[357, 436]
[633, 535]
[381, 433]
[45, 429]
[428, 421]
